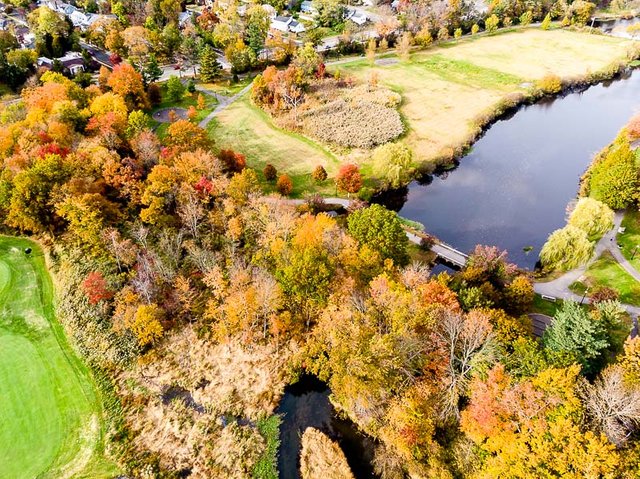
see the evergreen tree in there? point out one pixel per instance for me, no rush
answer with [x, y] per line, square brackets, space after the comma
[210, 69]
[151, 71]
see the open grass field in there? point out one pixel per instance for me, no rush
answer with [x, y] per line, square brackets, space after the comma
[630, 239]
[50, 415]
[606, 271]
[245, 128]
[444, 89]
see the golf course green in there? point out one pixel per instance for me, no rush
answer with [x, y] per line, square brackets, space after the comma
[50, 413]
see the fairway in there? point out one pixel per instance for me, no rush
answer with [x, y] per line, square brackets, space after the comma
[50, 415]
[444, 89]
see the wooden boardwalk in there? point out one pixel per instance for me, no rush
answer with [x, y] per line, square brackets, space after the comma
[446, 253]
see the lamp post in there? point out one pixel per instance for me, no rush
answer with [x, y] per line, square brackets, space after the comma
[584, 295]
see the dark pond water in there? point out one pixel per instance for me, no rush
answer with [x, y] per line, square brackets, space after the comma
[513, 188]
[306, 404]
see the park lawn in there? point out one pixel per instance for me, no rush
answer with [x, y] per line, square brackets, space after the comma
[542, 306]
[246, 129]
[50, 413]
[188, 99]
[446, 88]
[606, 271]
[630, 239]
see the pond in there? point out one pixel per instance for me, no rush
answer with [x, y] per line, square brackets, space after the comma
[306, 404]
[513, 188]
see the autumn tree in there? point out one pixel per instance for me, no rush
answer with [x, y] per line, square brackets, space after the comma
[380, 229]
[270, 172]
[319, 174]
[147, 324]
[284, 185]
[592, 216]
[566, 249]
[127, 82]
[613, 178]
[186, 136]
[349, 178]
[96, 288]
[394, 163]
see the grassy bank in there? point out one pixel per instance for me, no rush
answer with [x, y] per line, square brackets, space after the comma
[607, 272]
[630, 239]
[50, 417]
[448, 93]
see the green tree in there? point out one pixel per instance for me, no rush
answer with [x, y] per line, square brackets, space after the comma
[210, 68]
[138, 122]
[574, 334]
[393, 162]
[380, 229]
[491, 23]
[566, 248]
[258, 24]
[613, 179]
[307, 60]
[526, 18]
[175, 89]
[151, 71]
[592, 216]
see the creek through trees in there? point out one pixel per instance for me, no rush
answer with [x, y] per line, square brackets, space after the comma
[512, 189]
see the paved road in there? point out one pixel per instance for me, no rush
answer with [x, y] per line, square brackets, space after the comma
[559, 287]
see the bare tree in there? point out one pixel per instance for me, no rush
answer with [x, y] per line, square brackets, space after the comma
[191, 212]
[269, 297]
[123, 250]
[613, 405]
[140, 233]
[468, 341]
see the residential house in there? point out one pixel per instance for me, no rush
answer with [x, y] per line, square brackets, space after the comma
[356, 16]
[287, 24]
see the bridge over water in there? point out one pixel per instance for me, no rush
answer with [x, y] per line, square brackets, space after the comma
[446, 253]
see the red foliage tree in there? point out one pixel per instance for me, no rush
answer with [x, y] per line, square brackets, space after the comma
[284, 185]
[349, 178]
[96, 288]
[233, 162]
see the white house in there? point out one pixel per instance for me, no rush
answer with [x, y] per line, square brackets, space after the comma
[296, 27]
[287, 24]
[73, 62]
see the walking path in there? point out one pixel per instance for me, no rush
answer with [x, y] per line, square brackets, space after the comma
[559, 287]
[223, 102]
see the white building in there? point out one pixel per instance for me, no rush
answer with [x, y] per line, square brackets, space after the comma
[287, 24]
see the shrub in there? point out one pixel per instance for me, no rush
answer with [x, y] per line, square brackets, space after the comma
[526, 18]
[457, 33]
[284, 185]
[633, 127]
[270, 172]
[546, 23]
[592, 216]
[507, 21]
[581, 11]
[424, 37]
[359, 124]
[349, 178]
[550, 84]
[475, 29]
[319, 174]
[491, 23]
[443, 34]
[191, 87]
[232, 161]
[604, 294]
[192, 113]
[566, 248]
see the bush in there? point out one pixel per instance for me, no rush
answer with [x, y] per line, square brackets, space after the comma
[424, 37]
[550, 84]
[475, 29]
[191, 87]
[457, 33]
[359, 124]
[566, 248]
[581, 11]
[546, 23]
[270, 172]
[592, 216]
[319, 174]
[443, 34]
[284, 185]
[526, 18]
[491, 23]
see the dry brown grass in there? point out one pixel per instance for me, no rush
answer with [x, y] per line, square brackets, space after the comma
[322, 458]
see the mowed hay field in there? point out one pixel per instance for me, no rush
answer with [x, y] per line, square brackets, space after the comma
[446, 88]
[50, 414]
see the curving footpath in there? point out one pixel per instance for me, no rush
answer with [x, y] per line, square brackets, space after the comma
[559, 287]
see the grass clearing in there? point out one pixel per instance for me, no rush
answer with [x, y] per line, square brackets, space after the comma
[445, 88]
[630, 239]
[50, 419]
[606, 271]
[245, 128]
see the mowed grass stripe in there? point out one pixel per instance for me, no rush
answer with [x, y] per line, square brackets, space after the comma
[49, 410]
